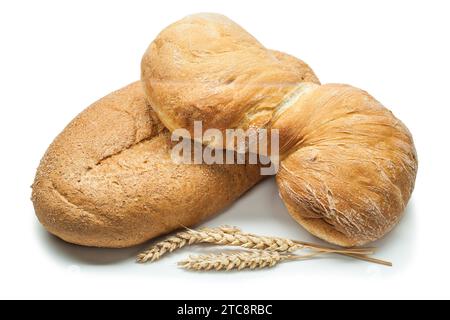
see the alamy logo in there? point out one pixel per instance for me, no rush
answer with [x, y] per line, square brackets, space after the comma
[232, 146]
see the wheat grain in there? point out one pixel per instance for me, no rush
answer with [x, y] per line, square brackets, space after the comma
[231, 236]
[238, 260]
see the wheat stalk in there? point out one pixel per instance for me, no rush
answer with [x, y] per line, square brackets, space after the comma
[238, 260]
[231, 236]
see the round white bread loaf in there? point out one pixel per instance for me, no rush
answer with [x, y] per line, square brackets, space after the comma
[349, 166]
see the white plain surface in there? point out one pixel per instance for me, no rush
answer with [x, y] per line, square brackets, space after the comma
[57, 57]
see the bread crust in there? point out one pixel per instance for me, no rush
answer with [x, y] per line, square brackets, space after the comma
[108, 179]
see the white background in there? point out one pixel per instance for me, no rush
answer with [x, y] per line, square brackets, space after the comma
[57, 57]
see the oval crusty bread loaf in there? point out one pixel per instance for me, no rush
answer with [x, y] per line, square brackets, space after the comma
[348, 164]
[108, 179]
[207, 68]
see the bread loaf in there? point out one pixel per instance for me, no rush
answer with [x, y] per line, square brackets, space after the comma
[207, 68]
[348, 164]
[108, 179]
[349, 167]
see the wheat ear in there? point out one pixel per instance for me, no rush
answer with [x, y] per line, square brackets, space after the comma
[178, 241]
[230, 236]
[238, 260]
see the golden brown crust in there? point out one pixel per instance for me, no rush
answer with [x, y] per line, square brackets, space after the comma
[292, 63]
[350, 166]
[108, 179]
[207, 68]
